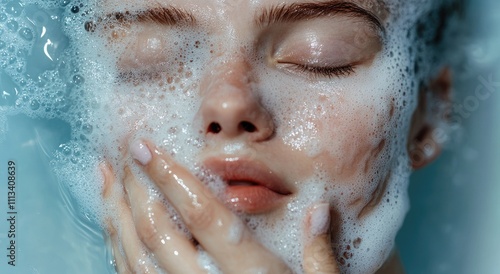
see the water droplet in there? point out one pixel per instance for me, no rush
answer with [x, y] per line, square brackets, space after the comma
[75, 9]
[14, 8]
[34, 105]
[77, 152]
[60, 102]
[87, 129]
[22, 53]
[12, 25]
[66, 150]
[83, 138]
[78, 79]
[26, 34]
[2, 44]
[3, 17]
[64, 3]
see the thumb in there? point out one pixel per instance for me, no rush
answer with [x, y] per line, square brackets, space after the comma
[318, 252]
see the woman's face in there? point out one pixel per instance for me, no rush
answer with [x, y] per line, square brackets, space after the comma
[283, 104]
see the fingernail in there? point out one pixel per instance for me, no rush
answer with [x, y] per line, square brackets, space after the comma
[140, 152]
[320, 219]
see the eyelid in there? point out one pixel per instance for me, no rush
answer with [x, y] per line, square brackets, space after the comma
[148, 49]
[335, 49]
[313, 71]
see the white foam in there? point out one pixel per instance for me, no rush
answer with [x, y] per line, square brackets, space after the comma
[235, 232]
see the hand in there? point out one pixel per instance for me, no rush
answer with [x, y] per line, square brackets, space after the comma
[143, 228]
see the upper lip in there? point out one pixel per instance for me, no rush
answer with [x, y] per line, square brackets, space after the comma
[236, 170]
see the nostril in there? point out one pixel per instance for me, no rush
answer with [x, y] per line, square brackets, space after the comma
[214, 128]
[247, 126]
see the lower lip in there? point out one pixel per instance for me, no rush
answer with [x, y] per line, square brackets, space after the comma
[253, 199]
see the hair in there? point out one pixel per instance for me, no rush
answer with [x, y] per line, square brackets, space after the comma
[436, 36]
[437, 33]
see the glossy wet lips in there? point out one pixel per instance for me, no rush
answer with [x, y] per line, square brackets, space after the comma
[252, 187]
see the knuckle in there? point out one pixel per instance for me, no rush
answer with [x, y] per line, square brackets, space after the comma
[160, 171]
[111, 230]
[321, 253]
[319, 257]
[313, 266]
[147, 230]
[199, 216]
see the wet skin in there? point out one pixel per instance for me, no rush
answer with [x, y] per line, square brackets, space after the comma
[281, 84]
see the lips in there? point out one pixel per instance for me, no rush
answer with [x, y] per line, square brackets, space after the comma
[251, 186]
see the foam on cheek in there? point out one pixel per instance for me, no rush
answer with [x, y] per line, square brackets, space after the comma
[304, 126]
[363, 243]
[116, 106]
[159, 104]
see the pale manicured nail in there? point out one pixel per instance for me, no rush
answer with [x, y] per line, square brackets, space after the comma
[140, 152]
[320, 219]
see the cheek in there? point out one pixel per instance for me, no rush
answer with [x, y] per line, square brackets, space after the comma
[300, 132]
[344, 138]
[354, 138]
[356, 151]
[153, 112]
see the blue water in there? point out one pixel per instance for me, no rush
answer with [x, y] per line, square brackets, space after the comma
[453, 223]
[452, 226]
[52, 235]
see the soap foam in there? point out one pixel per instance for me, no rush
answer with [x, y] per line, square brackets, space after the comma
[106, 106]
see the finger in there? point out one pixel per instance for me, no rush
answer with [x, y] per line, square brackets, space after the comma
[318, 252]
[215, 227]
[173, 251]
[135, 257]
[108, 178]
[120, 263]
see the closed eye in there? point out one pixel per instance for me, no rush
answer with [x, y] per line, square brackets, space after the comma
[321, 71]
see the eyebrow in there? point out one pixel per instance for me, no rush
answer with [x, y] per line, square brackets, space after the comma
[168, 16]
[307, 11]
[171, 16]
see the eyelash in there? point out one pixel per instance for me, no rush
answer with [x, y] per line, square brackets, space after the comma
[329, 72]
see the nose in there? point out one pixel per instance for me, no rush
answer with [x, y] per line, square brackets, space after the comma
[231, 109]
